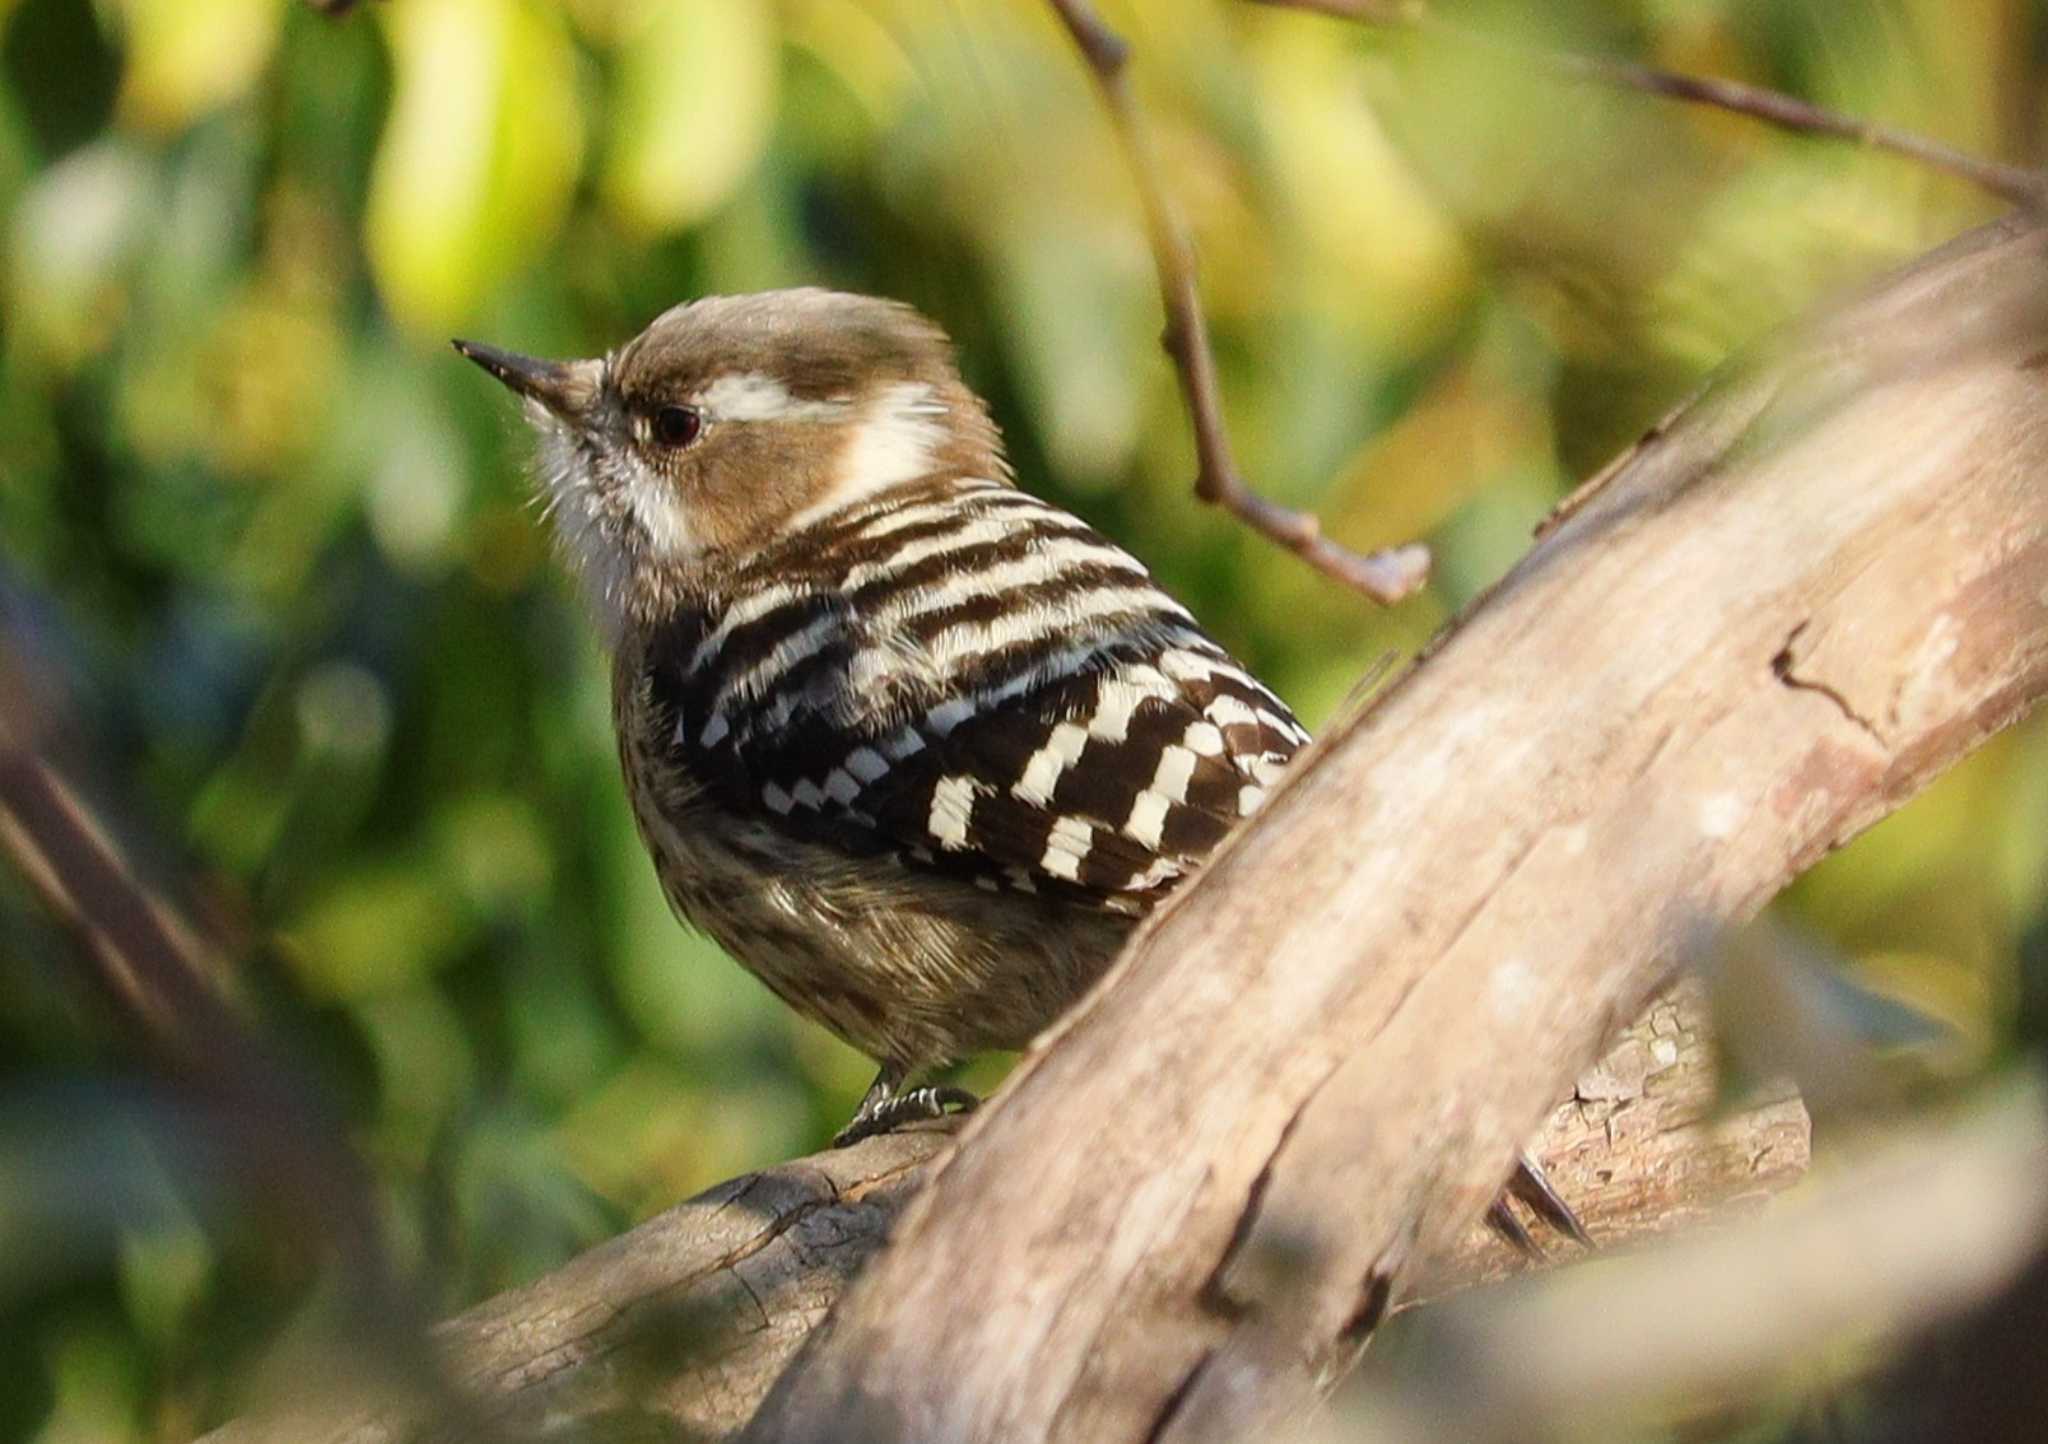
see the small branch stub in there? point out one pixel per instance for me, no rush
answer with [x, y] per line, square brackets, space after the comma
[1385, 576]
[1365, 1001]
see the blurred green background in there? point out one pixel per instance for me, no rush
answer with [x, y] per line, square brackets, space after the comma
[276, 539]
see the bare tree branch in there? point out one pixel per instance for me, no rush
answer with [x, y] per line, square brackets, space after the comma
[147, 966]
[1782, 616]
[1779, 615]
[1385, 576]
[685, 1322]
[2021, 185]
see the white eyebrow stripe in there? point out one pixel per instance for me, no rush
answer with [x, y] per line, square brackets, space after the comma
[757, 396]
[897, 439]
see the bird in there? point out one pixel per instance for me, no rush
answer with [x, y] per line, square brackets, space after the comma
[916, 747]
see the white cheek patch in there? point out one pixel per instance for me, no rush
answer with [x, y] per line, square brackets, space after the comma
[754, 396]
[589, 505]
[897, 439]
[659, 513]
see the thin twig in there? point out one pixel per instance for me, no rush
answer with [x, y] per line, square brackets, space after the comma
[2021, 185]
[141, 963]
[1385, 576]
[148, 966]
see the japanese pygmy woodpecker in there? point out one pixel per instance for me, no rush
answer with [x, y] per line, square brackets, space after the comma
[917, 748]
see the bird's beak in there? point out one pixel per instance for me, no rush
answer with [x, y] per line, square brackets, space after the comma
[567, 388]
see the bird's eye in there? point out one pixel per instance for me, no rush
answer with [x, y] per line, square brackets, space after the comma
[677, 425]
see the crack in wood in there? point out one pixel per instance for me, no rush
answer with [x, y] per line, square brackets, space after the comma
[618, 1329]
[1782, 666]
[1214, 1294]
[1171, 1405]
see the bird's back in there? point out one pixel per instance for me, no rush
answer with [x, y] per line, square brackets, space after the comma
[950, 720]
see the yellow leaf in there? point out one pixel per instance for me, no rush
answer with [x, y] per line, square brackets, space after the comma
[186, 57]
[1371, 245]
[378, 929]
[694, 104]
[478, 159]
[854, 44]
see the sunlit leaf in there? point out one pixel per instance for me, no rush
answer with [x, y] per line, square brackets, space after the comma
[1463, 435]
[164, 1273]
[1378, 252]
[694, 104]
[381, 927]
[269, 368]
[1080, 317]
[652, 1134]
[75, 229]
[1783, 233]
[424, 1060]
[186, 57]
[496, 850]
[419, 488]
[856, 46]
[478, 158]
[96, 1377]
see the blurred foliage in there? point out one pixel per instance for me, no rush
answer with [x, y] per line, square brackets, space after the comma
[276, 538]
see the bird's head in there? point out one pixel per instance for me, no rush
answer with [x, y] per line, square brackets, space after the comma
[732, 422]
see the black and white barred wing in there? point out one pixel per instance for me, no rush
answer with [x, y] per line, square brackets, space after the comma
[1111, 782]
[1104, 768]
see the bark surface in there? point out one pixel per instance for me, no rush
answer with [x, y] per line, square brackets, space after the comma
[1774, 620]
[1766, 626]
[686, 1320]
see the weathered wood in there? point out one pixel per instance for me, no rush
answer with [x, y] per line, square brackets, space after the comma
[1644, 1146]
[1775, 620]
[679, 1324]
[685, 1321]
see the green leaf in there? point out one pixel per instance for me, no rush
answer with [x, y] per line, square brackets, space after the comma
[381, 928]
[187, 57]
[478, 160]
[695, 102]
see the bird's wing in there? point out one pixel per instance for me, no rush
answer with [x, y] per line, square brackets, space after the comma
[1103, 768]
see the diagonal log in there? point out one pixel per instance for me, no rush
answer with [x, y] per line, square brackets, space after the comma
[1789, 607]
[1777, 618]
[684, 1321]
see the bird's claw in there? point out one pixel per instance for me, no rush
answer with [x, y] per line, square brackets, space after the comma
[892, 1110]
[1530, 1184]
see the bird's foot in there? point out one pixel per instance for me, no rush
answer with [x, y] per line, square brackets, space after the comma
[1530, 1184]
[882, 1111]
